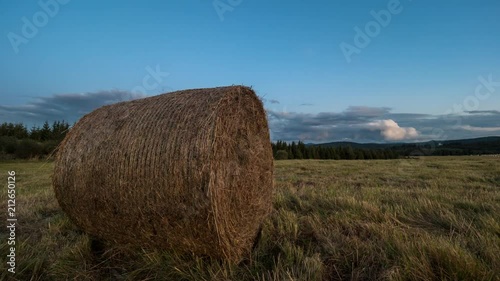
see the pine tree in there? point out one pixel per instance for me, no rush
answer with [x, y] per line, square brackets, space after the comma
[45, 132]
[35, 133]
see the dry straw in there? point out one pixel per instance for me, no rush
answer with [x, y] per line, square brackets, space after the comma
[190, 170]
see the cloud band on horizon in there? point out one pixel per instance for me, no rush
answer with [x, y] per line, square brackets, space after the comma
[356, 123]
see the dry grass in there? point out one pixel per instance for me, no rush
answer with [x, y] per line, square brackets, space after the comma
[427, 219]
[190, 170]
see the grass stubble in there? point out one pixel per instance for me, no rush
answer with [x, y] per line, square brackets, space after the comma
[433, 218]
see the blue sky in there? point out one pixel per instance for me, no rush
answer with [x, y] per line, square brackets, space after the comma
[417, 75]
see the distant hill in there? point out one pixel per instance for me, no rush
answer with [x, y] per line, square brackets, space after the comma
[357, 145]
[484, 145]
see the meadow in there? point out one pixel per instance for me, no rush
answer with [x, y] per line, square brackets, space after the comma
[433, 218]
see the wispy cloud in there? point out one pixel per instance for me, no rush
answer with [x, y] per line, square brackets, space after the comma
[366, 111]
[480, 129]
[69, 107]
[488, 112]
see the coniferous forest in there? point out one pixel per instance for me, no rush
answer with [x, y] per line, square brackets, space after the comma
[17, 141]
[298, 150]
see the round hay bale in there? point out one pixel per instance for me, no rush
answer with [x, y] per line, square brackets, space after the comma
[190, 170]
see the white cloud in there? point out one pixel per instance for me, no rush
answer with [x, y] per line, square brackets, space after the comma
[390, 130]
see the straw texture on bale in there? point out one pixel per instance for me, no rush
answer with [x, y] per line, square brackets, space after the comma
[190, 170]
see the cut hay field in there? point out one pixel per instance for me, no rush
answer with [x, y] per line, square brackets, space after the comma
[421, 219]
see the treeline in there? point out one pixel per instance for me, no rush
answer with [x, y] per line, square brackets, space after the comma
[17, 141]
[283, 150]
